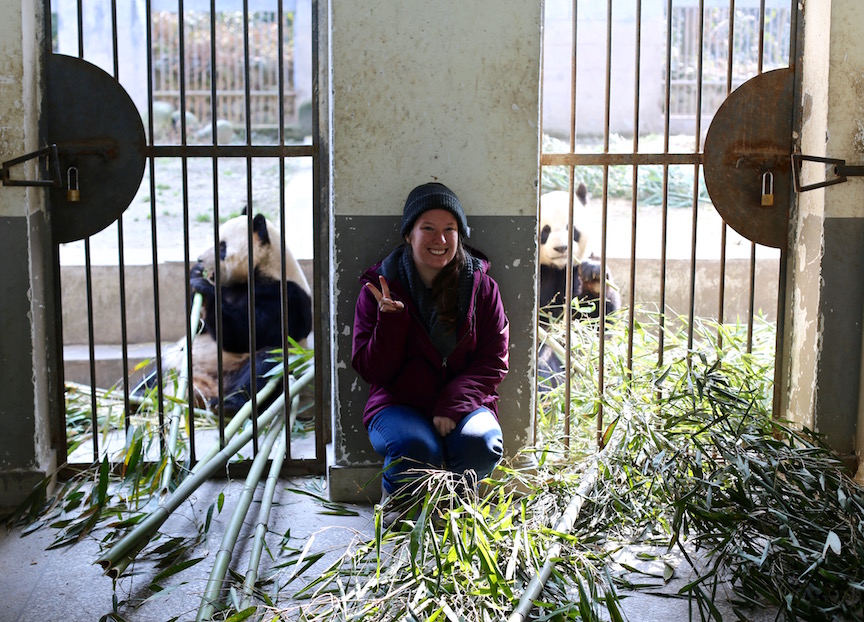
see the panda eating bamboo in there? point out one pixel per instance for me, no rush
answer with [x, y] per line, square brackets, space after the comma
[233, 257]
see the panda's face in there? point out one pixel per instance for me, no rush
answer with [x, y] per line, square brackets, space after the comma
[554, 231]
[267, 254]
[233, 252]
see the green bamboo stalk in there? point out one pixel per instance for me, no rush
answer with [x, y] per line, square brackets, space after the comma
[240, 418]
[558, 350]
[125, 550]
[229, 538]
[182, 386]
[119, 556]
[564, 525]
[264, 512]
[138, 400]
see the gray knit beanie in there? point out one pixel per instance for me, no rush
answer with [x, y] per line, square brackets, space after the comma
[431, 196]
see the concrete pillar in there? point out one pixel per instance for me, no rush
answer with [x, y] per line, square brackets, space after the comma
[826, 259]
[27, 344]
[425, 91]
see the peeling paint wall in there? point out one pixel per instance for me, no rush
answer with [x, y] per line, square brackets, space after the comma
[423, 91]
[26, 453]
[827, 254]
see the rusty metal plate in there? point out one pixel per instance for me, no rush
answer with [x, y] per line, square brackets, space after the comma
[751, 134]
[98, 131]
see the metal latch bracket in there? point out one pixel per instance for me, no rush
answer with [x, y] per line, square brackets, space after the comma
[841, 171]
[53, 167]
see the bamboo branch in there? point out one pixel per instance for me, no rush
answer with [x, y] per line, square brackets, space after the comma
[229, 538]
[242, 415]
[264, 512]
[115, 561]
[182, 386]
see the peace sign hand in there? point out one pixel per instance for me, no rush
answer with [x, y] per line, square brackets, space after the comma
[385, 303]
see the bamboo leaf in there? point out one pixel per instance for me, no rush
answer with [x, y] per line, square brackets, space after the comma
[172, 570]
[242, 615]
[832, 542]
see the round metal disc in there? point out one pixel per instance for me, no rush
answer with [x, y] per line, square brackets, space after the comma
[97, 129]
[750, 135]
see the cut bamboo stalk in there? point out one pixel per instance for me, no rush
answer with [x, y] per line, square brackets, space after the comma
[264, 512]
[243, 414]
[119, 556]
[558, 350]
[182, 386]
[131, 544]
[564, 525]
[239, 418]
[232, 531]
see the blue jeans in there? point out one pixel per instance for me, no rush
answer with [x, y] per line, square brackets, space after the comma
[408, 440]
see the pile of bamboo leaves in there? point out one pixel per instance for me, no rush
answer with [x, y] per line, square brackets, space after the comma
[131, 506]
[694, 463]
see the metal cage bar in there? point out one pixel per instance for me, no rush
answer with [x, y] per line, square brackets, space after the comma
[729, 52]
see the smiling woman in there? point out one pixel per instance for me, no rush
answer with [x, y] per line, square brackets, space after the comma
[430, 339]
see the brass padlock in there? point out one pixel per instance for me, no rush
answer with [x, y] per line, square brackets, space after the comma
[767, 189]
[73, 194]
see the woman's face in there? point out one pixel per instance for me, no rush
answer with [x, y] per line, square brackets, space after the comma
[433, 240]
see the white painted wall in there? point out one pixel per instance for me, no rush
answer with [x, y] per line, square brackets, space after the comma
[423, 91]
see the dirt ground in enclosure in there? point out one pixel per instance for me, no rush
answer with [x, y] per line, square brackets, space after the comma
[168, 215]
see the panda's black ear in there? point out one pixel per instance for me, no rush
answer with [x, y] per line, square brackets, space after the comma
[259, 228]
[582, 193]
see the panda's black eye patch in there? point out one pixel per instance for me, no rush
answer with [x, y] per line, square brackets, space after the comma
[576, 234]
[544, 234]
[223, 250]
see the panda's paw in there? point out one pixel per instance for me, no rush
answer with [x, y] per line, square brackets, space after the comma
[590, 271]
[199, 280]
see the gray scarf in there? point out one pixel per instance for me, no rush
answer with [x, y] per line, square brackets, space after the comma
[444, 339]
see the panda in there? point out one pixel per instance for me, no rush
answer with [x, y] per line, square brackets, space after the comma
[586, 274]
[233, 257]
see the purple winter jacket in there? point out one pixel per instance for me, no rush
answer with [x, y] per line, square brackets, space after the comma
[393, 353]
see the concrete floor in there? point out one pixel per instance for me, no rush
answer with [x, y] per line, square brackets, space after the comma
[65, 584]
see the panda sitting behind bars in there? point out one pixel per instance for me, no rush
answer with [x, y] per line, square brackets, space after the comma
[586, 279]
[586, 274]
[233, 258]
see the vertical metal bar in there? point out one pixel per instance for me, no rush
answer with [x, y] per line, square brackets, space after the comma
[730, 56]
[320, 232]
[635, 192]
[187, 286]
[661, 337]
[568, 272]
[121, 263]
[88, 288]
[604, 219]
[250, 282]
[220, 408]
[796, 34]
[752, 300]
[153, 244]
[283, 291]
[57, 395]
[698, 147]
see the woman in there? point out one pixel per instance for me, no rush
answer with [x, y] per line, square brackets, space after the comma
[431, 338]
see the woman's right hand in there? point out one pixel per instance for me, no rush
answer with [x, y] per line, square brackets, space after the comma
[385, 303]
